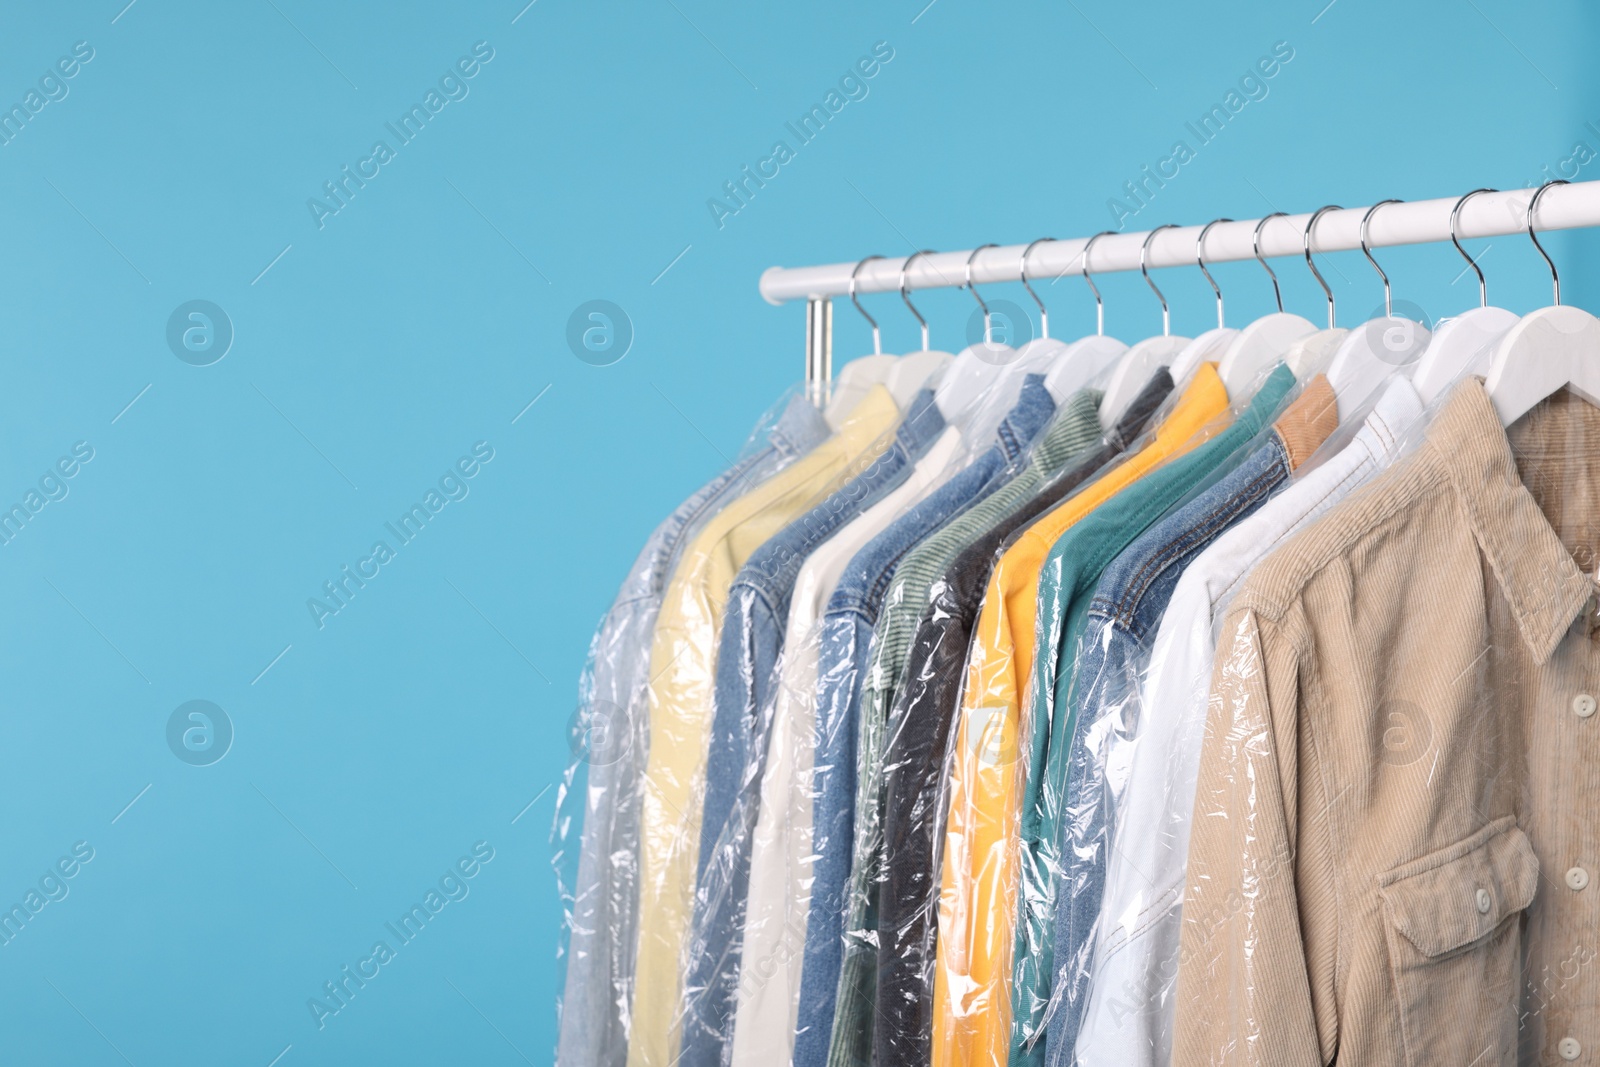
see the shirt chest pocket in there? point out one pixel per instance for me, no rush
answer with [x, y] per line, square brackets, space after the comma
[1454, 922]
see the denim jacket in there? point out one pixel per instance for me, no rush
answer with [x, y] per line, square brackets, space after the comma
[751, 640]
[846, 634]
[1072, 572]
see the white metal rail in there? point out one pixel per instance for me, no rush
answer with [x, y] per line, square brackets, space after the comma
[1485, 215]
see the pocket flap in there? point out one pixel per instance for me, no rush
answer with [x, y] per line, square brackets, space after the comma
[1458, 894]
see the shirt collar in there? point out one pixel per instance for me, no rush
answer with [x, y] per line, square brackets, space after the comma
[1375, 441]
[1027, 416]
[1266, 401]
[1396, 412]
[1154, 393]
[922, 424]
[873, 418]
[1307, 421]
[1077, 418]
[1539, 577]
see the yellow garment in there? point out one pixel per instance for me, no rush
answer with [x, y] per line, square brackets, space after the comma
[977, 899]
[682, 665]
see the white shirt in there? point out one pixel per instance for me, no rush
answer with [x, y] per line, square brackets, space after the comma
[768, 1002]
[1128, 1020]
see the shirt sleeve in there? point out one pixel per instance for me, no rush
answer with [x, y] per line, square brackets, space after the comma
[1244, 996]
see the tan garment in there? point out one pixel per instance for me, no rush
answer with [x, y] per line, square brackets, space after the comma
[1398, 810]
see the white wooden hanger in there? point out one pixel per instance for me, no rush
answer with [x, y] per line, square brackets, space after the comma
[1370, 354]
[1039, 354]
[969, 375]
[1067, 367]
[948, 392]
[1145, 358]
[915, 372]
[1311, 354]
[980, 419]
[1465, 344]
[1203, 347]
[1207, 347]
[1082, 361]
[1266, 341]
[903, 376]
[1550, 349]
[860, 374]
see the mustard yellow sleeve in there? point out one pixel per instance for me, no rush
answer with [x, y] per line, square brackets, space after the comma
[978, 880]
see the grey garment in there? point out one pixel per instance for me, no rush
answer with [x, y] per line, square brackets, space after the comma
[610, 742]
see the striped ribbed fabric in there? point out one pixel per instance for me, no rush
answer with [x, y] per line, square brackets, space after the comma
[1074, 430]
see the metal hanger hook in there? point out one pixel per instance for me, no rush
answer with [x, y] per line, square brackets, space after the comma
[1555, 278]
[974, 292]
[1022, 270]
[1255, 246]
[1455, 212]
[877, 337]
[1166, 313]
[905, 291]
[1388, 303]
[1099, 304]
[1200, 258]
[1311, 224]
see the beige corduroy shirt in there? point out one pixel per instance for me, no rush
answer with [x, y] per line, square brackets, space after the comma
[1396, 838]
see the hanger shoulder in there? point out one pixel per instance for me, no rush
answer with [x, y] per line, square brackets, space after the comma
[1376, 347]
[1133, 371]
[1460, 346]
[1202, 348]
[1001, 393]
[964, 384]
[1546, 350]
[1080, 363]
[1040, 351]
[1260, 345]
[1369, 354]
[910, 374]
[1310, 355]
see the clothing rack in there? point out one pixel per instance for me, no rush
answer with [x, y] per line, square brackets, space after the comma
[1490, 214]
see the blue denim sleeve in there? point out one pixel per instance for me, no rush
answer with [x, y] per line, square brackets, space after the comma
[846, 646]
[743, 692]
[746, 660]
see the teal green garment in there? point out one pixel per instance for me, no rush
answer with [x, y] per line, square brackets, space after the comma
[1066, 584]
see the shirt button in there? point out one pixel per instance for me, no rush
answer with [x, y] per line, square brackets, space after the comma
[1569, 1048]
[1583, 705]
[1484, 902]
[1577, 878]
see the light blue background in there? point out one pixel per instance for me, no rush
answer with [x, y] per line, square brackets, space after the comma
[430, 311]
